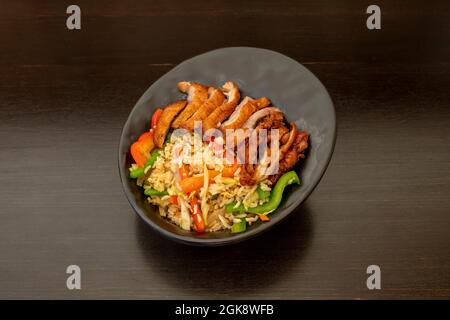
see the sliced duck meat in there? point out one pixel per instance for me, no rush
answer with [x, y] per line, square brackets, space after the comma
[262, 102]
[287, 138]
[243, 111]
[247, 168]
[197, 95]
[300, 143]
[271, 121]
[246, 175]
[165, 120]
[221, 113]
[292, 156]
[258, 115]
[215, 100]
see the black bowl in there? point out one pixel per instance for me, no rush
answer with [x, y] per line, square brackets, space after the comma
[258, 72]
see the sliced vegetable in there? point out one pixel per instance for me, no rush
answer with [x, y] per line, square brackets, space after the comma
[155, 117]
[228, 171]
[139, 172]
[239, 226]
[204, 207]
[145, 136]
[136, 173]
[262, 195]
[185, 218]
[263, 217]
[173, 199]
[197, 215]
[232, 208]
[183, 171]
[154, 192]
[140, 150]
[153, 156]
[275, 196]
[190, 184]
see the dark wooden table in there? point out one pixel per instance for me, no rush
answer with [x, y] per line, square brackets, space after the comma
[385, 199]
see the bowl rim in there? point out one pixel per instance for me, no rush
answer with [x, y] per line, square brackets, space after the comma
[238, 237]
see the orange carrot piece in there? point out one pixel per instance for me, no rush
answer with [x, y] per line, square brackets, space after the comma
[190, 184]
[263, 217]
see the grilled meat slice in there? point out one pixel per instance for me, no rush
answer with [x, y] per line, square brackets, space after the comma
[258, 115]
[243, 111]
[246, 175]
[271, 121]
[247, 169]
[226, 109]
[288, 138]
[215, 100]
[262, 102]
[240, 114]
[162, 126]
[274, 120]
[301, 142]
[292, 156]
[197, 95]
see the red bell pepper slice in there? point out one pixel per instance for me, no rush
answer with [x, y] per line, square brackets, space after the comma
[173, 199]
[140, 150]
[197, 215]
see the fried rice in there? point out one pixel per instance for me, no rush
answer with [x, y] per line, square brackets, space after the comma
[162, 176]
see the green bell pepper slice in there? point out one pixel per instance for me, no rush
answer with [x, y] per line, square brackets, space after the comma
[139, 172]
[154, 192]
[239, 226]
[262, 195]
[275, 196]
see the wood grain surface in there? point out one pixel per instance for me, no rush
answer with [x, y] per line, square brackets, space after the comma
[385, 199]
